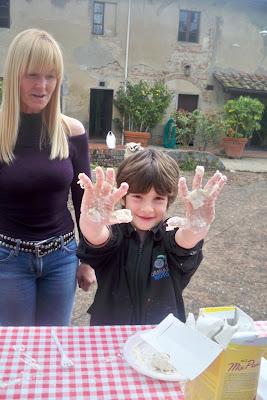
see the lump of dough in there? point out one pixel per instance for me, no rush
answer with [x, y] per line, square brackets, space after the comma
[197, 197]
[123, 215]
[200, 170]
[161, 362]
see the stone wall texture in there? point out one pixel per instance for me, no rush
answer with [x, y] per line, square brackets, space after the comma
[186, 159]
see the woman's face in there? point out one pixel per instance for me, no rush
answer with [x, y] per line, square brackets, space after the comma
[36, 89]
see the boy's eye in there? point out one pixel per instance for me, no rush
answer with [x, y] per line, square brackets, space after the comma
[136, 196]
[160, 198]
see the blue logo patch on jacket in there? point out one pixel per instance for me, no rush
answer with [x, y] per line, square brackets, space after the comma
[160, 268]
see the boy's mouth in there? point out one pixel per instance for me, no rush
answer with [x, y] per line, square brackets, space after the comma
[145, 218]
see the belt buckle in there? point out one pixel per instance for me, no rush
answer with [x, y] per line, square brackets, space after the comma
[38, 251]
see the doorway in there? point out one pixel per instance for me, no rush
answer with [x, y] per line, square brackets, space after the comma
[100, 113]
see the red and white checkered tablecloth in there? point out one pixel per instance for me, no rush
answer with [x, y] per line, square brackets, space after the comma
[100, 371]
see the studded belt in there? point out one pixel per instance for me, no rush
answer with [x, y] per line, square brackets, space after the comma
[40, 248]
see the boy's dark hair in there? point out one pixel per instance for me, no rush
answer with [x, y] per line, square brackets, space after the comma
[150, 168]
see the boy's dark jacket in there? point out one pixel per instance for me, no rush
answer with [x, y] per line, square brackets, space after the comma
[139, 283]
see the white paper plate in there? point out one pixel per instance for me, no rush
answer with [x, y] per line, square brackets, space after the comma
[262, 387]
[138, 354]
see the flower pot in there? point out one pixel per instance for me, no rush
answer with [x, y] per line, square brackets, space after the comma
[234, 147]
[137, 137]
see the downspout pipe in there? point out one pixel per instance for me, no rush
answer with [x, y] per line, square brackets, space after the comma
[126, 58]
[127, 44]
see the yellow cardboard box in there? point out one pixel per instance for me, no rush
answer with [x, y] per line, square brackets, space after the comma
[234, 374]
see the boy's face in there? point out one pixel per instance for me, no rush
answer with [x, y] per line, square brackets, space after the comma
[148, 209]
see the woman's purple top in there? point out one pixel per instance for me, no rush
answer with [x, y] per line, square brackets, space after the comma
[34, 189]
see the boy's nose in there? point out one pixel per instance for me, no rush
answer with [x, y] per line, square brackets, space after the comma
[147, 207]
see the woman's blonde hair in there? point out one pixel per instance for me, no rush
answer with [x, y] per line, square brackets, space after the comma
[30, 51]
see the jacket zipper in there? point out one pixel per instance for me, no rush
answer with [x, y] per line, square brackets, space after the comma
[137, 306]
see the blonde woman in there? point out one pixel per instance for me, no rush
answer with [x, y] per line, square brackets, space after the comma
[41, 154]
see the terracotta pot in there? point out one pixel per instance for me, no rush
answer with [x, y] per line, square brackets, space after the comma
[137, 137]
[234, 147]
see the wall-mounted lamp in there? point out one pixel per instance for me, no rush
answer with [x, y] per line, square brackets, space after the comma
[187, 69]
[263, 32]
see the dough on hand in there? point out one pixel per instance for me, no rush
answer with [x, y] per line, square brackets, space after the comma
[175, 222]
[200, 170]
[197, 197]
[122, 216]
[98, 215]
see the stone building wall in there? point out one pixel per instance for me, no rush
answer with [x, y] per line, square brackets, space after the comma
[229, 39]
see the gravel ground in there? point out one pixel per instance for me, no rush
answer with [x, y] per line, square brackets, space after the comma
[234, 269]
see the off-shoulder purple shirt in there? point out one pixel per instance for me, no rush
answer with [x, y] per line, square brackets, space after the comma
[34, 189]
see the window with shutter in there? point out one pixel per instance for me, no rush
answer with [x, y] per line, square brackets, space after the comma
[4, 14]
[189, 26]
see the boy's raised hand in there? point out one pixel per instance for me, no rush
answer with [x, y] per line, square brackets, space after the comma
[99, 199]
[199, 203]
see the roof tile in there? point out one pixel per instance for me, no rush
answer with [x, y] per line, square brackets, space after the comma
[242, 81]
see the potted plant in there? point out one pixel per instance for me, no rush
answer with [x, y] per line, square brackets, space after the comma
[242, 117]
[185, 122]
[198, 128]
[209, 130]
[142, 105]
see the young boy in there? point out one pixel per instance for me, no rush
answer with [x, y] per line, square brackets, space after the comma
[141, 268]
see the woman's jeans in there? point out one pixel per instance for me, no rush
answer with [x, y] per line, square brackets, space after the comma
[37, 291]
